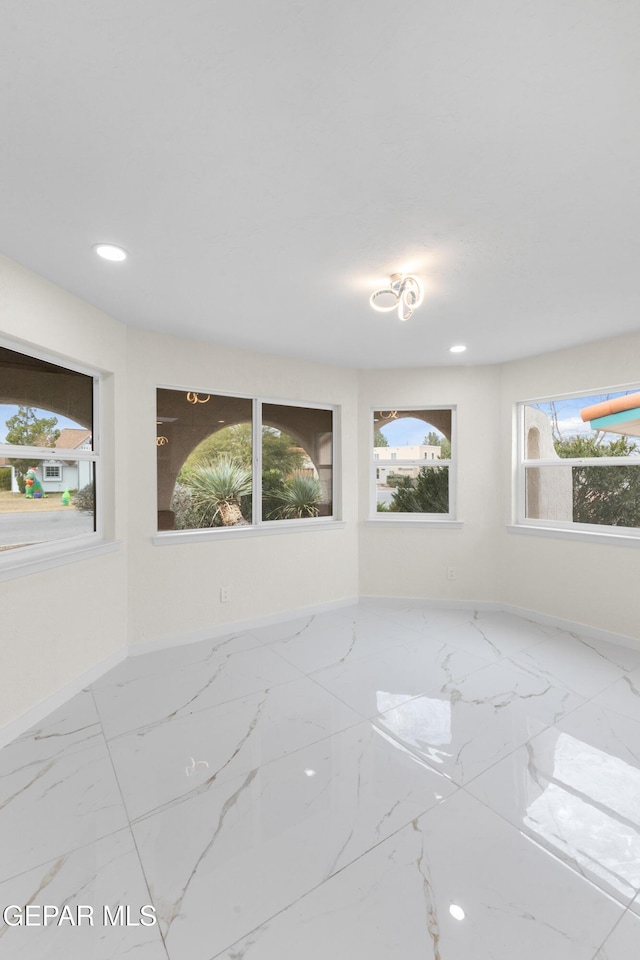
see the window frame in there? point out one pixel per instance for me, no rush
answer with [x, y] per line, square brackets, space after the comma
[258, 526]
[563, 528]
[34, 557]
[450, 518]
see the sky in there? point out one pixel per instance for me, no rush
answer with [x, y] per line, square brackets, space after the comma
[8, 410]
[570, 423]
[410, 431]
[407, 432]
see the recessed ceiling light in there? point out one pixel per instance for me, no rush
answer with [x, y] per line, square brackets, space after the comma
[456, 912]
[310, 773]
[459, 348]
[108, 251]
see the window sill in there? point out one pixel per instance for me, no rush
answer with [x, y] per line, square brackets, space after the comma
[172, 537]
[15, 563]
[417, 522]
[590, 536]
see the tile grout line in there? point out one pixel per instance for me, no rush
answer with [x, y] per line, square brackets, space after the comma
[328, 879]
[131, 832]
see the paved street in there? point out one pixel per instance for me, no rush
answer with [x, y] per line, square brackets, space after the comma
[34, 528]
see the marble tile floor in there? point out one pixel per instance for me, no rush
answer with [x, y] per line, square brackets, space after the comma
[389, 780]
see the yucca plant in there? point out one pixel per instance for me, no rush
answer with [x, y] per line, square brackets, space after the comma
[300, 496]
[216, 489]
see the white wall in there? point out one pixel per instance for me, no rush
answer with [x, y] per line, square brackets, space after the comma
[412, 561]
[57, 624]
[175, 589]
[590, 583]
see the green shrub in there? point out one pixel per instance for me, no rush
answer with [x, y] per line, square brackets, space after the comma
[185, 513]
[300, 496]
[394, 479]
[217, 490]
[5, 478]
[84, 499]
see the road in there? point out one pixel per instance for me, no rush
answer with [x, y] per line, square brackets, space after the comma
[35, 528]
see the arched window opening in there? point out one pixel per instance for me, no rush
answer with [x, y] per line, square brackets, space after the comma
[213, 473]
[412, 451]
[47, 451]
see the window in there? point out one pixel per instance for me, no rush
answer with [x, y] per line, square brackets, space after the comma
[227, 462]
[579, 462]
[45, 499]
[404, 486]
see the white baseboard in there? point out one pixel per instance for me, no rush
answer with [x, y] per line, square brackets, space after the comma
[572, 626]
[448, 604]
[34, 715]
[47, 706]
[234, 626]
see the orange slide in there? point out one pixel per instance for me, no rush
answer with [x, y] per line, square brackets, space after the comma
[607, 407]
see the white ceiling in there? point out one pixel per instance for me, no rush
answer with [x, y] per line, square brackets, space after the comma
[268, 164]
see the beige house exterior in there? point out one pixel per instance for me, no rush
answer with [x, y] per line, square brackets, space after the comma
[416, 452]
[549, 490]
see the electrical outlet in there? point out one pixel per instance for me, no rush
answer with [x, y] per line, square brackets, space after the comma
[225, 595]
[451, 573]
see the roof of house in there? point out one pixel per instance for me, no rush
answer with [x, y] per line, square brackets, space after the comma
[71, 438]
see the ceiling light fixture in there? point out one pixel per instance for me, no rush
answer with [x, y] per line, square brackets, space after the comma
[109, 251]
[459, 348]
[403, 293]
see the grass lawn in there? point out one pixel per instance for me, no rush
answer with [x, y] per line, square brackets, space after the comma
[18, 503]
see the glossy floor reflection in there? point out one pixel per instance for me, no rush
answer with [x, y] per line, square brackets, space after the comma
[395, 779]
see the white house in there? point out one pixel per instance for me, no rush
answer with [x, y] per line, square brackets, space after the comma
[56, 475]
[60, 475]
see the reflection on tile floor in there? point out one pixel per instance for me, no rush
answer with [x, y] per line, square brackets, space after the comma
[394, 779]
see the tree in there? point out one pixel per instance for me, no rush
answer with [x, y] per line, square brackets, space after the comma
[603, 495]
[432, 439]
[428, 493]
[379, 439]
[279, 451]
[26, 429]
